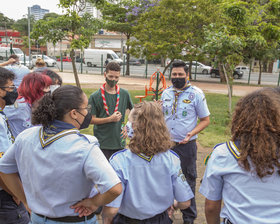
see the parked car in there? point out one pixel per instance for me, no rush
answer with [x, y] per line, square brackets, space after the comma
[199, 67]
[65, 58]
[215, 73]
[79, 59]
[49, 61]
[135, 61]
[27, 64]
[244, 69]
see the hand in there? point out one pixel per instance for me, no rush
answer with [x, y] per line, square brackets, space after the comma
[11, 61]
[116, 116]
[84, 207]
[159, 102]
[124, 133]
[186, 139]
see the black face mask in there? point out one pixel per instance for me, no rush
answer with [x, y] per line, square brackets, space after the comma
[178, 83]
[11, 97]
[111, 83]
[86, 121]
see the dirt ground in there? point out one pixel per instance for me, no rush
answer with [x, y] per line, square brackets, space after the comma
[129, 83]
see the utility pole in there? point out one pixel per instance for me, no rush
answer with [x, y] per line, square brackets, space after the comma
[29, 47]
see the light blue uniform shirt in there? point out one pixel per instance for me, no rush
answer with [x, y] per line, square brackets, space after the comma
[6, 139]
[150, 185]
[191, 106]
[19, 116]
[56, 172]
[246, 197]
[20, 71]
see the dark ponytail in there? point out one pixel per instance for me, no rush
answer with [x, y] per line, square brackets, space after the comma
[55, 106]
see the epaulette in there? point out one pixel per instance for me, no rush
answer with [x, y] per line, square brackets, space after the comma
[174, 153]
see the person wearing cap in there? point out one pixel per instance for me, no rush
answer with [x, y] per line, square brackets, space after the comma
[183, 104]
[11, 210]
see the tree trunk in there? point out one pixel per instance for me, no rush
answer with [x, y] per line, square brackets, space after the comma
[229, 86]
[260, 72]
[167, 66]
[190, 70]
[162, 62]
[127, 56]
[222, 74]
[72, 55]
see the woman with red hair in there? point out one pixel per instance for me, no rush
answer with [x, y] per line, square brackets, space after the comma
[33, 86]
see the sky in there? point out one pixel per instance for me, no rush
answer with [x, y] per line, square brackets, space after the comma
[16, 9]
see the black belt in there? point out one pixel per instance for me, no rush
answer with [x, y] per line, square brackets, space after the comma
[227, 221]
[177, 143]
[138, 221]
[69, 219]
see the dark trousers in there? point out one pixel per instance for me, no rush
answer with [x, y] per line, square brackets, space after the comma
[10, 212]
[187, 153]
[109, 152]
[162, 218]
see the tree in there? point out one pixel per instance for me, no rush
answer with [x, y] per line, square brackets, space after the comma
[76, 29]
[21, 25]
[121, 16]
[5, 22]
[173, 29]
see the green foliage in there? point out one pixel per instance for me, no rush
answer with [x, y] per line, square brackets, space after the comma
[5, 22]
[21, 25]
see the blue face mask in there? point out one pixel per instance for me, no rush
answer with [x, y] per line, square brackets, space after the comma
[129, 129]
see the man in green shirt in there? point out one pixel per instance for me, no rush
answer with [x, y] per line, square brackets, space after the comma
[108, 107]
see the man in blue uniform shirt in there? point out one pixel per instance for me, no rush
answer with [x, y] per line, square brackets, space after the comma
[182, 105]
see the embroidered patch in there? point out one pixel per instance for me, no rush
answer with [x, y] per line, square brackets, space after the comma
[186, 101]
[184, 113]
[166, 112]
[1, 154]
[191, 96]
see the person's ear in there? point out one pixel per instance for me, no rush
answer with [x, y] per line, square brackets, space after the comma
[73, 114]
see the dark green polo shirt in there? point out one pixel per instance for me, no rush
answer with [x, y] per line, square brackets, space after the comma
[108, 134]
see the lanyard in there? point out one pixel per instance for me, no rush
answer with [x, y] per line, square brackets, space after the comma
[104, 99]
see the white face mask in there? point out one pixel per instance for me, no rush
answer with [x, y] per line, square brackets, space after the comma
[54, 87]
[129, 129]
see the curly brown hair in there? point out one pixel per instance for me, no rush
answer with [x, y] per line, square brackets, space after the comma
[256, 125]
[151, 135]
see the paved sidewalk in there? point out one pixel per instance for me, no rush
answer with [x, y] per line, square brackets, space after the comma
[95, 81]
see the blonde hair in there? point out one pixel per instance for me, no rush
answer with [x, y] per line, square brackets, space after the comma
[40, 62]
[151, 135]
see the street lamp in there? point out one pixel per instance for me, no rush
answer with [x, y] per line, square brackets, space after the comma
[11, 45]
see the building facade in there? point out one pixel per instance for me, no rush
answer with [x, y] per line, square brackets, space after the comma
[38, 12]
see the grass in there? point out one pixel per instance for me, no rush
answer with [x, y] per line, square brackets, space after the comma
[218, 131]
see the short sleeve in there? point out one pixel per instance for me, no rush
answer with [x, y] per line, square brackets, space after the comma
[129, 102]
[5, 136]
[98, 169]
[92, 102]
[201, 106]
[212, 183]
[181, 189]
[8, 162]
[117, 202]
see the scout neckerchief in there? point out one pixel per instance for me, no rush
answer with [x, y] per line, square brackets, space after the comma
[104, 99]
[6, 119]
[55, 131]
[143, 156]
[177, 94]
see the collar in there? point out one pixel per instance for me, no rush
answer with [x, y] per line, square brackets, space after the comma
[56, 130]
[143, 156]
[181, 90]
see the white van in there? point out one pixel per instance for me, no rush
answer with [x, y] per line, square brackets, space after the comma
[5, 51]
[49, 61]
[93, 57]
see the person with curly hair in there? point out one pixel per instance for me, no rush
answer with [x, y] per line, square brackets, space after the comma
[151, 174]
[58, 166]
[245, 172]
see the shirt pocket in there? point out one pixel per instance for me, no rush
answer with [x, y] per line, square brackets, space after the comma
[167, 108]
[185, 110]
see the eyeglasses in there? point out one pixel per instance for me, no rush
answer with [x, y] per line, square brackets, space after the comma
[8, 87]
[88, 108]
